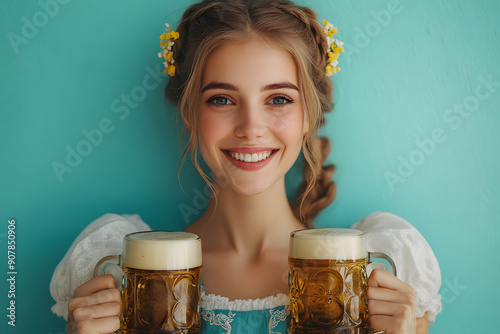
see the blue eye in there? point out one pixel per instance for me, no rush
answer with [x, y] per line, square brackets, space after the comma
[280, 101]
[220, 101]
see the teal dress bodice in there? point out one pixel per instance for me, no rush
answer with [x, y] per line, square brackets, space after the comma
[258, 316]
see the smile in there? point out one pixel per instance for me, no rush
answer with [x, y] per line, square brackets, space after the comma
[247, 157]
[250, 159]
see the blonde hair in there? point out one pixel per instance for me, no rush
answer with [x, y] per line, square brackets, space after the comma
[210, 23]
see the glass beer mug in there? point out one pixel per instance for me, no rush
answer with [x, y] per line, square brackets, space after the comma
[161, 282]
[328, 281]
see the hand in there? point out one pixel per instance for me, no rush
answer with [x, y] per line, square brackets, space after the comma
[96, 307]
[391, 304]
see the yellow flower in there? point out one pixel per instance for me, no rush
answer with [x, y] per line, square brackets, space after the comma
[334, 48]
[175, 34]
[171, 70]
[163, 36]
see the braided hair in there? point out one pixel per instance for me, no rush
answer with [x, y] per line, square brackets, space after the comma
[208, 24]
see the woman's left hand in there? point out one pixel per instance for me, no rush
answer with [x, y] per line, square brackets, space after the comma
[391, 304]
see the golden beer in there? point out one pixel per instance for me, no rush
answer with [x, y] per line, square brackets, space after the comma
[328, 296]
[161, 282]
[160, 301]
[328, 281]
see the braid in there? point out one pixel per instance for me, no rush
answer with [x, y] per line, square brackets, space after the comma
[323, 189]
[309, 19]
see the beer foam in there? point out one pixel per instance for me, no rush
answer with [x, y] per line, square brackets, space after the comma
[158, 250]
[328, 244]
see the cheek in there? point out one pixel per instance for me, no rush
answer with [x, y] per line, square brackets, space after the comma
[289, 128]
[210, 129]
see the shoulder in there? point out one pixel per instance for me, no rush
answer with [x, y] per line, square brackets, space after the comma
[414, 258]
[102, 237]
[392, 234]
[381, 220]
[115, 222]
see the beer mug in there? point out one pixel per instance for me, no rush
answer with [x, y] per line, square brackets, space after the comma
[328, 281]
[161, 282]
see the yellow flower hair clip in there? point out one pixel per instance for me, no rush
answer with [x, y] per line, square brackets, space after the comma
[167, 43]
[335, 47]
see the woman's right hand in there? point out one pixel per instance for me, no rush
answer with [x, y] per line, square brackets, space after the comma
[95, 307]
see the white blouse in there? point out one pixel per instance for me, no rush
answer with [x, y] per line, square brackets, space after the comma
[385, 232]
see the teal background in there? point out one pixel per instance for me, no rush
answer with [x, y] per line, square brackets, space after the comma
[401, 74]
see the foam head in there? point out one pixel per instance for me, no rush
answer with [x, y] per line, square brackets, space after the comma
[159, 250]
[328, 244]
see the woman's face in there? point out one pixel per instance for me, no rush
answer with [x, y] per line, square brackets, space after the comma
[251, 122]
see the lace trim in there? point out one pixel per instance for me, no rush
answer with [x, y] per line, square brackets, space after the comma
[277, 317]
[220, 319]
[214, 302]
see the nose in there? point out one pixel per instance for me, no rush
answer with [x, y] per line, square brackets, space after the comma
[251, 122]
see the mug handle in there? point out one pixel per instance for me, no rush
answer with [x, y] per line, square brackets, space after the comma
[105, 263]
[384, 259]
[389, 266]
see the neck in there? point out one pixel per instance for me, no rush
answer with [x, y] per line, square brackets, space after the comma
[251, 224]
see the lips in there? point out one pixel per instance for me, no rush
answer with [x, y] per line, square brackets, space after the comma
[250, 158]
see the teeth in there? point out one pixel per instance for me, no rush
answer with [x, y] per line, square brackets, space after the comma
[255, 157]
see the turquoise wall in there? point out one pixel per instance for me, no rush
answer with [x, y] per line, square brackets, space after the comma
[414, 132]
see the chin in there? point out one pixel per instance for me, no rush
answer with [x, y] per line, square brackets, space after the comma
[251, 188]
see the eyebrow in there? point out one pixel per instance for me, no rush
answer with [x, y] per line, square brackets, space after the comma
[228, 86]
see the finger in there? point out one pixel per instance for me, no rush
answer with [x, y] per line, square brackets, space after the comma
[112, 309]
[380, 322]
[388, 295]
[384, 279]
[101, 297]
[94, 285]
[378, 307]
[392, 325]
[99, 326]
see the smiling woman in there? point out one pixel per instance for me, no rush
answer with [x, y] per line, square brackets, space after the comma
[246, 112]
[250, 79]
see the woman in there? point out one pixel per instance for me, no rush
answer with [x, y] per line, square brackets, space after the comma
[250, 82]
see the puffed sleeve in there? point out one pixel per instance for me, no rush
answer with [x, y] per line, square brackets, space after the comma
[415, 261]
[102, 237]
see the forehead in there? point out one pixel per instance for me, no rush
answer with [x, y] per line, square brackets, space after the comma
[250, 63]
